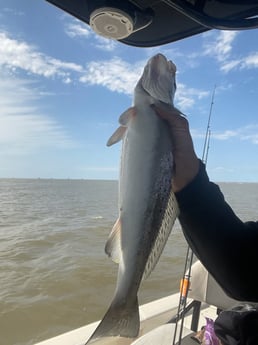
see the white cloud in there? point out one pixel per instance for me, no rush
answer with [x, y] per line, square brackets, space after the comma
[105, 43]
[227, 134]
[251, 61]
[120, 76]
[17, 54]
[249, 133]
[230, 65]
[221, 170]
[12, 11]
[197, 133]
[220, 47]
[186, 97]
[116, 75]
[23, 127]
[75, 28]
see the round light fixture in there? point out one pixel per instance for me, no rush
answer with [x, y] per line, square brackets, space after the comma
[111, 23]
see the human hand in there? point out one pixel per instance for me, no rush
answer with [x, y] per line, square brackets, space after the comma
[186, 163]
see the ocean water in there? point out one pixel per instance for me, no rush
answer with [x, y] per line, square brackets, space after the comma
[54, 274]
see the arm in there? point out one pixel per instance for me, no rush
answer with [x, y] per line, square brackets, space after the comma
[226, 246]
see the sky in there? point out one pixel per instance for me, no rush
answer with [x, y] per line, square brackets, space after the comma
[63, 88]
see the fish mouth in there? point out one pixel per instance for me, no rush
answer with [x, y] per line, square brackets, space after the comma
[158, 79]
[160, 61]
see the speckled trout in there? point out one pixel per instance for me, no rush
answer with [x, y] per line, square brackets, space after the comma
[147, 205]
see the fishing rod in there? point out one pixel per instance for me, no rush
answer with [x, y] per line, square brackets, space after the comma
[184, 288]
[208, 132]
[185, 281]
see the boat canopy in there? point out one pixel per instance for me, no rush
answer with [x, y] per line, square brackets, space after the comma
[147, 23]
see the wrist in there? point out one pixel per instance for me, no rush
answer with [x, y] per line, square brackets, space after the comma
[185, 174]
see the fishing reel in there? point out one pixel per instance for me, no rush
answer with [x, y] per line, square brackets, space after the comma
[111, 20]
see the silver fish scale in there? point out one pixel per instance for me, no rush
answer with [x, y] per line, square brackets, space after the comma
[164, 215]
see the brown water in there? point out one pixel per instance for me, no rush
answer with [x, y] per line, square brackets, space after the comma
[54, 275]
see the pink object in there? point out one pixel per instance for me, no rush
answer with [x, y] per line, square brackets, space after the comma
[210, 337]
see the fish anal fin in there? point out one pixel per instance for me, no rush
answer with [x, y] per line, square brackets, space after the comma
[113, 245]
[120, 320]
[170, 215]
[117, 136]
[126, 116]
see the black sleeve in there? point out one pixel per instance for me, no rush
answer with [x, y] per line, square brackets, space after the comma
[226, 246]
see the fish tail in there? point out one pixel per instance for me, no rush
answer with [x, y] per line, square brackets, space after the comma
[121, 320]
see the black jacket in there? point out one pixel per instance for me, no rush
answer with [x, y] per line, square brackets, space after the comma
[226, 246]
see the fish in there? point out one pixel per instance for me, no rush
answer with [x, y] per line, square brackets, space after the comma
[147, 205]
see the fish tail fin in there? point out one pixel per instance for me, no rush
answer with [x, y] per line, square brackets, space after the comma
[119, 320]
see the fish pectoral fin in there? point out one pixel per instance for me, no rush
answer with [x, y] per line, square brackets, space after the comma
[113, 245]
[124, 120]
[117, 136]
[126, 116]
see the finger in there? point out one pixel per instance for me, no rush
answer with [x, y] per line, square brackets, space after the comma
[172, 116]
[165, 111]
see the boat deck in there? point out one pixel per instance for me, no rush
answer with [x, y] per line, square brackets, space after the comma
[152, 315]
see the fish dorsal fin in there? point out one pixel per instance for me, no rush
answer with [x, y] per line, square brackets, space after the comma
[117, 136]
[171, 213]
[113, 245]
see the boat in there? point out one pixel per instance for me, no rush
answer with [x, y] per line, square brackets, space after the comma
[163, 322]
[144, 23]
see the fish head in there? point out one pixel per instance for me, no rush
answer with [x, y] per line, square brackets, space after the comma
[159, 79]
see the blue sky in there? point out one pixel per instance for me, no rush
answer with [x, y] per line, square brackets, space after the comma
[62, 89]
